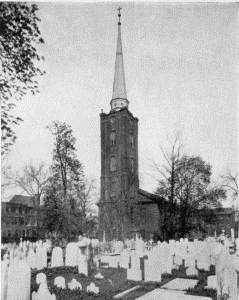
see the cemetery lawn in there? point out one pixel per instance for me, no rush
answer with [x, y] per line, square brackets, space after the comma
[114, 282]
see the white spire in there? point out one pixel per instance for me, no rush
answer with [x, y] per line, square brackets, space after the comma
[119, 98]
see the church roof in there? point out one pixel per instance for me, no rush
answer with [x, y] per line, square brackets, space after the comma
[119, 87]
[150, 197]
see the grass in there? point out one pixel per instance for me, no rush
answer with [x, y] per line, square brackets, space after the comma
[115, 281]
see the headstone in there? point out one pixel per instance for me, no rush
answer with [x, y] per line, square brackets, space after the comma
[71, 254]
[191, 271]
[99, 276]
[124, 259]
[19, 281]
[93, 288]
[212, 282]
[152, 271]
[134, 273]
[57, 257]
[43, 293]
[82, 265]
[41, 278]
[41, 258]
[74, 284]
[60, 282]
[4, 279]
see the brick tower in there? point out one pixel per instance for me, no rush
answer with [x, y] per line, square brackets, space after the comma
[119, 159]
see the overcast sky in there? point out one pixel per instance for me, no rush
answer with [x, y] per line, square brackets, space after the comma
[181, 66]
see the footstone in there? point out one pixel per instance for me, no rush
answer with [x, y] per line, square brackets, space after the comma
[161, 294]
[180, 284]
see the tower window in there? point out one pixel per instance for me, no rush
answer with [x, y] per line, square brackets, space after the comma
[131, 140]
[132, 164]
[113, 163]
[112, 138]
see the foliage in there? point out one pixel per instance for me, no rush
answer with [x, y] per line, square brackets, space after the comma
[65, 188]
[185, 183]
[19, 36]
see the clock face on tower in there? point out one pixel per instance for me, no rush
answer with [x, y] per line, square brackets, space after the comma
[112, 119]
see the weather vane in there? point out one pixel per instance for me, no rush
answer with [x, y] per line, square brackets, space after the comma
[119, 15]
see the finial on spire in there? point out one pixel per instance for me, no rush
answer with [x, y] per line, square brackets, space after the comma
[119, 15]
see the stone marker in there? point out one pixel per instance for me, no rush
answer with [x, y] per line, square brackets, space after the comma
[4, 279]
[72, 254]
[180, 284]
[74, 284]
[212, 282]
[57, 257]
[41, 278]
[19, 281]
[43, 293]
[82, 265]
[31, 259]
[124, 259]
[60, 282]
[134, 273]
[93, 288]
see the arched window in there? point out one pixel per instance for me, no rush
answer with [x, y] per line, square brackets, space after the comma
[112, 138]
[113, 163]
[131, 140]
[132, 164]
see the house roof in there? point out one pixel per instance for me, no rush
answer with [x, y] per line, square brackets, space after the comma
[150, 197]
[23, 200]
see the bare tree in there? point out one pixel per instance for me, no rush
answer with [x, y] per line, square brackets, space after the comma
[87, 197]
[167, 177]
[230, 183]
[33, 179]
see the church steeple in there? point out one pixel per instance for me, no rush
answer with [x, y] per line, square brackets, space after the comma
[119, 98]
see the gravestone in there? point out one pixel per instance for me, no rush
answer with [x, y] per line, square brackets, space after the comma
[19, 281]
[41, 258]
[74, 284]
[60, 282]
[82, 265]
[93, 288]
[191, 271]
[57, 257]
[41, 278]
[43, 293]
[4, 279]
[152, 271]
[212, 282]
[134, 272]
[124, 259]
[72, 254]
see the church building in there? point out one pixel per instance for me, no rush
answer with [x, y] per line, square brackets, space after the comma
[124, 208]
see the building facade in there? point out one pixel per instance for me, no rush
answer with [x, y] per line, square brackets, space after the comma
[124, 209]
[19, 218]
